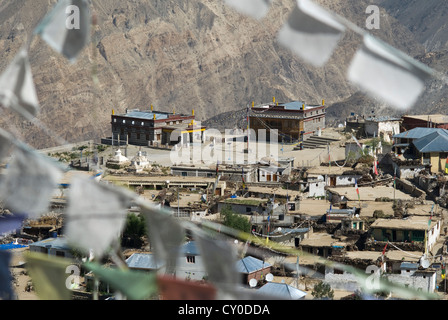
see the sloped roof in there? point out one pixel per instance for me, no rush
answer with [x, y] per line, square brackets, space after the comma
[55, 243]
[190, 248]
[434, 142]
[282, 290]
[419, 132]
[250, 264]
[143, 261]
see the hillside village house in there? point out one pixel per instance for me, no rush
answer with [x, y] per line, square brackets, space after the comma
[425, 121]
[154, 128]
[295, 121]
[428, 145]
[411, 229]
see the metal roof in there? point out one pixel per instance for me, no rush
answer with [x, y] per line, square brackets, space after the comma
[56, 243]
[419, 132]
[250, 264]
[145, 115]
[434, 142]
[190, 248]
[282, 290]
[143, 261]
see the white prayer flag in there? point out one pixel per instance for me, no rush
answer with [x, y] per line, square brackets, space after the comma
[67, 27]
[96, 214]
[165, 234]
[255, 8]
[29, 183]
[387, 73]
[311, 32]
[17, 90]
[220, 260]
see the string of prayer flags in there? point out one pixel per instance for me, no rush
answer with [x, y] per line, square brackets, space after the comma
[96, 214]
[388, 74]
[17, 90]
[311, 32]
[6, 291]
[135, 285]
[67, 27]
[254, 8]
[166, 236]
[49, 275]
[29, 182]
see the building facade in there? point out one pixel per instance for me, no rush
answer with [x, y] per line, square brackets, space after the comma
[153, 128]
[295, 121]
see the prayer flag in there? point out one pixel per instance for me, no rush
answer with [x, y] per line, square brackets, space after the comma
[446, 166]
[17, 90]
[135, 285]
[49, 275]
[311, 32]
[255, 8]
[67, 27]
[6, 292]
[96, 214]
[10, 223]
[29, 183]
[387, 73]
[165, 235]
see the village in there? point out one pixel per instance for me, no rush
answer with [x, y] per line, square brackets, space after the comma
[368, 194]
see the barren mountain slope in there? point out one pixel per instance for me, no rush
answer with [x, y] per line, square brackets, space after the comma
[176, 55]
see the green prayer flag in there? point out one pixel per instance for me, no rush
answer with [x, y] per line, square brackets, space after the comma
[49, 275]
[135, 285]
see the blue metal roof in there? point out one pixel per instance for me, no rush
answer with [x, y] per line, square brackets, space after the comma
[250, 264]
[419, 132]
[190, 248]
[409, 265]
[143, 261]
[293, 105]
[146, 115]
[434, 142]
[57, 243]
[282, 291]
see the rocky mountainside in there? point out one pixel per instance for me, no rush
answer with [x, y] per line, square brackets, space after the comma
[176, 55]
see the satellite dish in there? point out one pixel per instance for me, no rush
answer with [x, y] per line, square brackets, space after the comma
[269, 277]
[253, 283]
[424, 262]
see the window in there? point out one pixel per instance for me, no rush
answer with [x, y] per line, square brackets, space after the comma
[143, 123]
[190, 259]
[60, 253]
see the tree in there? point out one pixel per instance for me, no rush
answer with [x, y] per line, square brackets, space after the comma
[233, 220]
[322, 290]
[134, 230]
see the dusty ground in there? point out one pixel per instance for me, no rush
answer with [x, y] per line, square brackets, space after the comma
[20, 276]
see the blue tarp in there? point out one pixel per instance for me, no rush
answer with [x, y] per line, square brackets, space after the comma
[9, 246]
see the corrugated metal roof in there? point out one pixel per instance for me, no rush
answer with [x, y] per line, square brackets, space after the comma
[250, 264]
[190, 248]
[145, 115]
[419, 132]
[57, 243]
[434, 142]
[143, 261]
[293, 105]
[282, 290]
